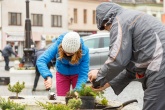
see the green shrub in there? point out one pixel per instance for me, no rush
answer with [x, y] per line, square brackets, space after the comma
[74, 103]
[86, 91]
[10, 105]
[70, 94]
[104, 101]
[17, 88]
[102, 98]
[50, 106]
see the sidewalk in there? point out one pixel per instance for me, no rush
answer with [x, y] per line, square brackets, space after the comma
[132, 91]
[27, 91]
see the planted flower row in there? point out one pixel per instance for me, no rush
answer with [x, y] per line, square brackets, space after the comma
[83, 99]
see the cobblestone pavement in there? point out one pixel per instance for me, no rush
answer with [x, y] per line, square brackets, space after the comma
[132, 91]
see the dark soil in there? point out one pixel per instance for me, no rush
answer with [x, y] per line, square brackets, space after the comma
[14, 97]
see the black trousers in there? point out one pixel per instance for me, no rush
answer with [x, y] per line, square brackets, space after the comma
[154, 98]
[37, 76]
[6, 63]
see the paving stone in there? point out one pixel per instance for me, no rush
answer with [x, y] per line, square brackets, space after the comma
[132, 91]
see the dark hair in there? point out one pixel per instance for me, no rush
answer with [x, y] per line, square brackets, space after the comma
[103, 23]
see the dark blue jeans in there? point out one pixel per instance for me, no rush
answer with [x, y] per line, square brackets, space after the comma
[6, 63]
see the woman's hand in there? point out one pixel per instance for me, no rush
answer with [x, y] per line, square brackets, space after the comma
[92, 75]
[48, 83]
[99, 89]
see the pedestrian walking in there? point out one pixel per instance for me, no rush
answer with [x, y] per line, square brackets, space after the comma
[72, 63]
[137, 51]
[6, 53]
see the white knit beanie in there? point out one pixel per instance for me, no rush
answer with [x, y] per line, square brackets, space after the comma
[71, 42]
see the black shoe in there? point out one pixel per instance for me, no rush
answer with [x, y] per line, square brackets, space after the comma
[33, 89]
[7, 68]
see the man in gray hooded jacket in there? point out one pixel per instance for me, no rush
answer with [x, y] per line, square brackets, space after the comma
[137, 51]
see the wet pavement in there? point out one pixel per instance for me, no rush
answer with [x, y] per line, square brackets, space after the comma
[132, 91]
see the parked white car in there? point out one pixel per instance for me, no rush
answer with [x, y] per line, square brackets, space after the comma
[98, 45]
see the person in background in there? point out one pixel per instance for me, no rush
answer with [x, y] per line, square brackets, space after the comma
[6, 53]
[72, 63]
[37, 53]
[36, 56]
[137, 45]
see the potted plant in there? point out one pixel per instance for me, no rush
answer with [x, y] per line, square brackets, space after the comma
[74, 103]
[17, 88]
[87, 96]
[101, 103]
[69, 95]
[10, 105]
[51, 106]
[21, 62]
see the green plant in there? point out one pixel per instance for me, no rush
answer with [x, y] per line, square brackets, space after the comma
[104, 101]
[10, 105]
[86, 91]
[70, 94]
[17, 88]
[50, 106]
[74, 103]
[20, 59]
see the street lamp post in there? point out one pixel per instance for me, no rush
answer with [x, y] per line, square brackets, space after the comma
[28, 51]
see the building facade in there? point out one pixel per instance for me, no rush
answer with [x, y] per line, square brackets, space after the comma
[163, 15]
[48, 20]
[151, 7]
[82, 13]
[82, 16]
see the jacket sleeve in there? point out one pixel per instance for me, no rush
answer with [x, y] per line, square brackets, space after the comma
[121, 81]
[45, 58]
[11, 51]
[84, 68]
[119, 55]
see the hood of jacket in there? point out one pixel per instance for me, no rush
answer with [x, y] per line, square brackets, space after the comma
[106, 11]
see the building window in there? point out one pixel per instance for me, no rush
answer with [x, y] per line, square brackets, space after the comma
[15, 19]
[94, 17]
[85, 16]
[58, 1]
[56, 21]
[75, 15]
[37, 19]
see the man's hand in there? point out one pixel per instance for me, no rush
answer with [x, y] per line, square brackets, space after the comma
[48, 82]
[99, 89]
[92, 75]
